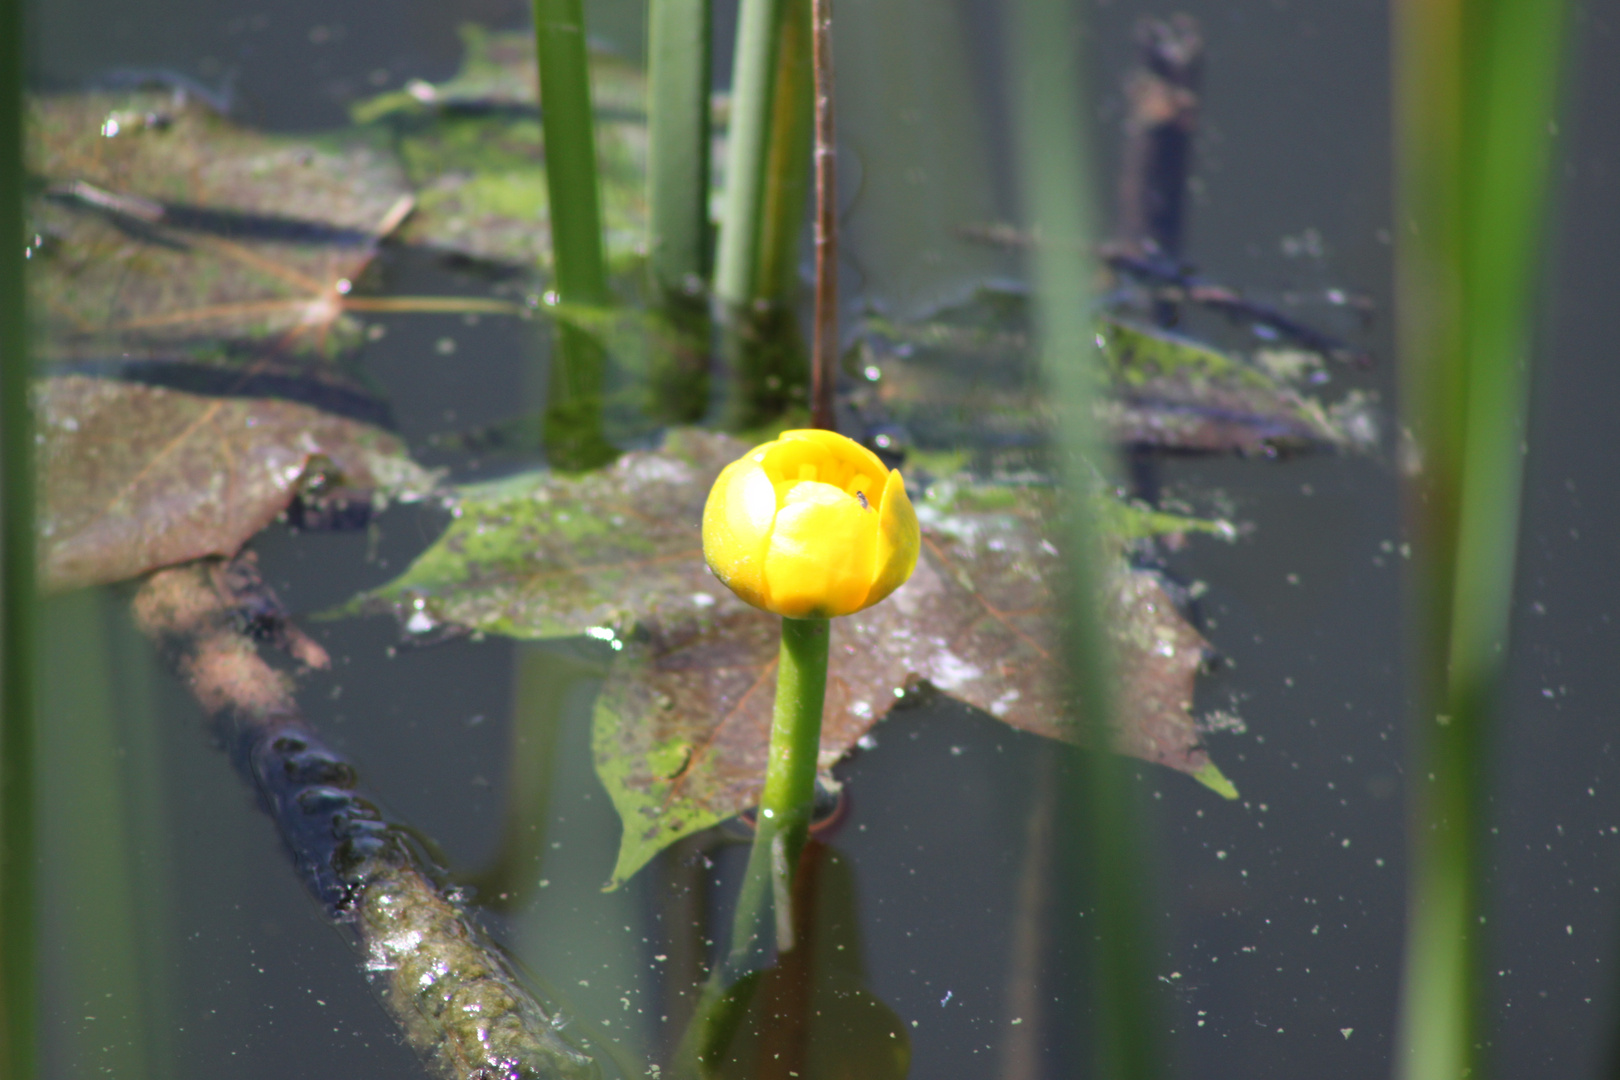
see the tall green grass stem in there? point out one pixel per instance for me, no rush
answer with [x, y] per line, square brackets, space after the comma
[787, 161]
[753, 83]
[95, 940]
[573, 433]
[767, 158]
[569, 129]
[757, 280]
[1051, 139]
[678, 58]
[679, 237]
[18, 615]
[1476, 97]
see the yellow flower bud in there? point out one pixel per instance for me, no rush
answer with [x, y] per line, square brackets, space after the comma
[810, 526]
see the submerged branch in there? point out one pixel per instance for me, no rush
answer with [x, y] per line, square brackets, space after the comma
[451, 991]
[1171, 284]
[1160, 123]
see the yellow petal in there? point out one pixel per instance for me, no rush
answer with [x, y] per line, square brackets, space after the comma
[821, 555]
[824, 456]
[736, 527]
[850, 453]
[898, 540]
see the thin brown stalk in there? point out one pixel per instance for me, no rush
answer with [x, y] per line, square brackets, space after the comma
[824, 369]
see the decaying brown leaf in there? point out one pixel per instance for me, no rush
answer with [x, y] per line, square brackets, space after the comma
[162, 221]
[134, 477]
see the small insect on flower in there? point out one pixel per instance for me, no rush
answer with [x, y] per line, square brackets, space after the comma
[812, 525]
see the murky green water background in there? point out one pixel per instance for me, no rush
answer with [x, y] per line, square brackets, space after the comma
[1282, 913]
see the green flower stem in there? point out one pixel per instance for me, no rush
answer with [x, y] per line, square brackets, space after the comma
[18, 987]
[780, 833]
[86, 830]
[790, 774]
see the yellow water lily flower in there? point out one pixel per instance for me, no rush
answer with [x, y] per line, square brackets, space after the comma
[810, 526]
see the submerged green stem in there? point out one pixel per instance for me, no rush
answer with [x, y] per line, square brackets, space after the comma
[678, 257]
[573, 430]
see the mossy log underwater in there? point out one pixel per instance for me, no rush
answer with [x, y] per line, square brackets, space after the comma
[452, 992]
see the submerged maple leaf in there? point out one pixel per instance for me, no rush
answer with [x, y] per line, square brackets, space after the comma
[164, 223]
[683, 720]
[134, 477]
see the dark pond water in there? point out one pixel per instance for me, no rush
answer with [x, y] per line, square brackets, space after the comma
[1280, 914]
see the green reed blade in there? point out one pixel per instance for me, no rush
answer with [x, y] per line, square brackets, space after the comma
[18, 987]
[147, 786]
[89, 866]
[678, 144]
[1051, 139]
[1476, 95]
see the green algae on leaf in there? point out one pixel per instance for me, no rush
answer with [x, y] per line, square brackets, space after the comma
[547, 554]
[1178, 394]
[133, 477]
[472, 150]
[162, 222]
